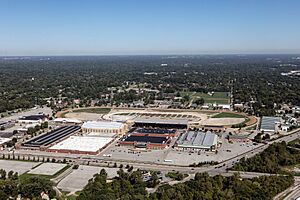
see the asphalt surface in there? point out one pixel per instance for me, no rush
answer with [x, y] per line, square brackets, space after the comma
[95, 160]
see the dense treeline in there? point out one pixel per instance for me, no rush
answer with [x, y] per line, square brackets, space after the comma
[11, 186]
[219, 187]
[126, 186]
[131, 187]
[270, 160]
[26, 82]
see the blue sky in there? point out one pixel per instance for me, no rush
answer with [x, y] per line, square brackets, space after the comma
[90, 27]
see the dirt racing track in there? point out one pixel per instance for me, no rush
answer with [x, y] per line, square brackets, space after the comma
[195, 117]
[131, 114]
[222, 121]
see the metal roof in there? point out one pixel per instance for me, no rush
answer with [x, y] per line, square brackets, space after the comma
[269, 123]
[194, 139]
[102, 125]
[52, 136]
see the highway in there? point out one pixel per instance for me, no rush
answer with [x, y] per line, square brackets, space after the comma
[220, 169]
[99, 161]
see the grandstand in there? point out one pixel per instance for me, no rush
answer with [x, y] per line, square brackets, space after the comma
[161, 123]
[165, 132]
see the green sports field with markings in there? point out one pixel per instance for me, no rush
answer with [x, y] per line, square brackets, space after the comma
[217, 97]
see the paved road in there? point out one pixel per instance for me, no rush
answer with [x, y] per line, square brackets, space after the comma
[294, 194]
[95, 160]
[291, 193]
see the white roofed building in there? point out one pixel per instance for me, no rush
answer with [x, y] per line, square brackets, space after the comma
[103, 127]
[81, 145]
[67, 121]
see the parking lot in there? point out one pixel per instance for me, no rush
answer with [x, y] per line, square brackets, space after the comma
[226, 151]
[17, 166]
[47, 169]
[33, 111]
[176, 157]
[15, 116]
[80, 177]
[125, 153]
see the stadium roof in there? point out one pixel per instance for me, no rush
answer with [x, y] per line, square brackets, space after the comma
[146, 139]
[199, 140]
[161, 121]
[102, 125]
[154, 131]
[82, 143]
[269, 123]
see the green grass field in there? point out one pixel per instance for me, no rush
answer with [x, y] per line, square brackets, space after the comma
[228, 115]
[94, 110]
[218, 97]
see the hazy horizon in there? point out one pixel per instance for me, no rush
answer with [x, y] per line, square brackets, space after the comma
[84, 28]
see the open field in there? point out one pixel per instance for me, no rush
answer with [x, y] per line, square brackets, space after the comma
[93, 110]
[236, 118]
[228, 115]
[217, 97]
[17, 166]
[83, 116]
[48, 169]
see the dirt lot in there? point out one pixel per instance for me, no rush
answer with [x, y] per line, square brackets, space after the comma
[84, 116]
[222, 121]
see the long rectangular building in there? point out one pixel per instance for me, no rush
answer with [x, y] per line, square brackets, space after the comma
[51, 137]
[81, 145]
[30, 119]
[193, 140]
[103, 127]
[269, 124]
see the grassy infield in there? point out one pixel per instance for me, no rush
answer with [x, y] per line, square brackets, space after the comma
[232, 115]
[218, 97]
